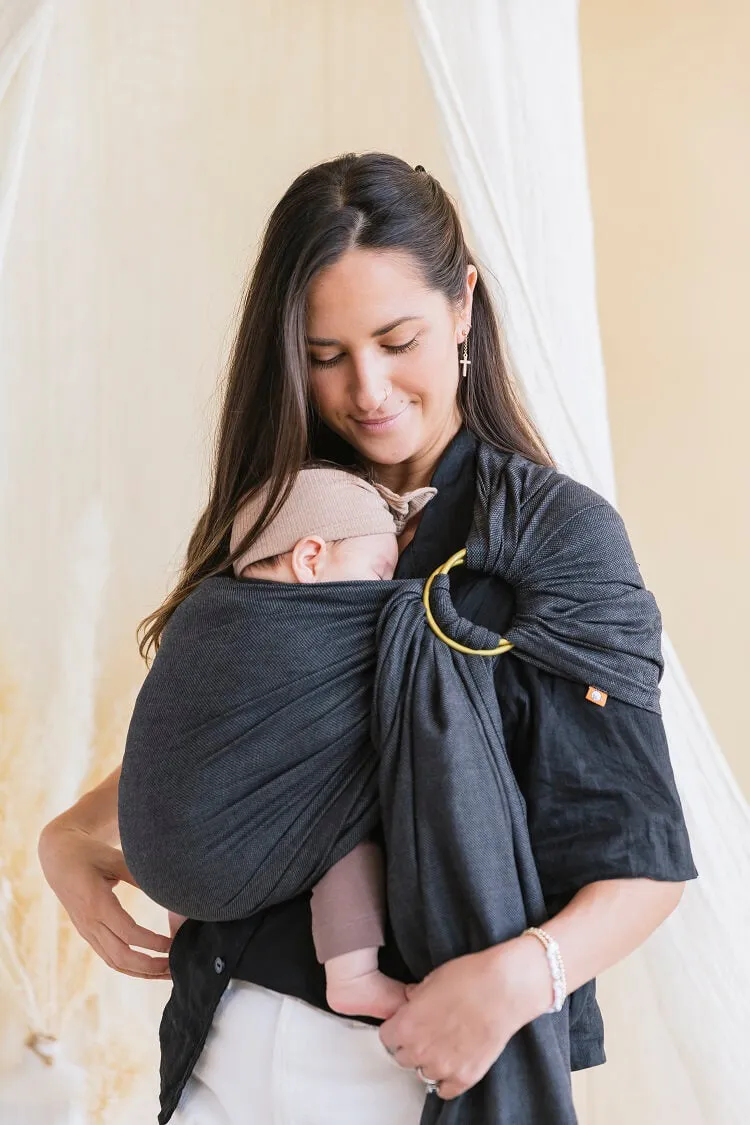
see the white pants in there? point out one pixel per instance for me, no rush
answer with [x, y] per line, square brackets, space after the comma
[273, 1060]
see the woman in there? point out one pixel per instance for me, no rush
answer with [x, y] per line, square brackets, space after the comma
[368, 335]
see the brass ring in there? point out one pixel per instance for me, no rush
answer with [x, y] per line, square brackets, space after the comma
[456, 560]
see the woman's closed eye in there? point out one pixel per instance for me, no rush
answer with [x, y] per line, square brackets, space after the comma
[394, 349]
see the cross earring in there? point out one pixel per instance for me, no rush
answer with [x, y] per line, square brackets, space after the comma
[465, 361]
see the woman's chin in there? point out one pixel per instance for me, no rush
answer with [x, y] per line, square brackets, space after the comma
[389, 445]
[389, 452]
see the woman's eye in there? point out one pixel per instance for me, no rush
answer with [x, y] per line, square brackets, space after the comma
[401, 347]
[325, 362]
[394, 349]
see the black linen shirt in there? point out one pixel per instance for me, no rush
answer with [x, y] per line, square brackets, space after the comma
[600, 798]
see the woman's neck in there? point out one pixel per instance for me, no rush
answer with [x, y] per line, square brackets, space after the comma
[417, 471]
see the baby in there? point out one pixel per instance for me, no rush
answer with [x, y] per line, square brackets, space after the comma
[337, 527]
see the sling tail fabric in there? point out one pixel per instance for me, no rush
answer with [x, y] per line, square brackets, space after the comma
[453, 815]
[249, 766]
[461, 875]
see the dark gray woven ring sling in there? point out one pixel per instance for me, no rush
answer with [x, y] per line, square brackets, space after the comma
[279, 723]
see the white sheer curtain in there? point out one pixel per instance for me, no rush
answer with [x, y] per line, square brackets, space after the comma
[37, 1085]
[63, 1014]
[506, 77]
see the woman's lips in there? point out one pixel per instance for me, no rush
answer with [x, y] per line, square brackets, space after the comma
[380, 425]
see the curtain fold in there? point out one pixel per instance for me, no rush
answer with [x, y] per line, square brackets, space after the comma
[506, 78]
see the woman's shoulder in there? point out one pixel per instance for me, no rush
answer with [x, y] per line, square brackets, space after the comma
[540, 508]
[532, 484]
[582, 607]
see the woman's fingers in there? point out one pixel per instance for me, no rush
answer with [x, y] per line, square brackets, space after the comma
[83, 873]
[400, 1042]
[406, 1058]
[449, 1088]
[120, 956]
[112, 950]
[116, 931]
[389, 1037]
[454, 1024]
[116, 918]
[93, 941]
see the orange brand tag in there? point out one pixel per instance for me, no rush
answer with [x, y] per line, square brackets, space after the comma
[597, 696]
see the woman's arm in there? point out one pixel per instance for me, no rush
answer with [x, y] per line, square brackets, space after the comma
[83, 869]
[459, 1019]
[95, 812]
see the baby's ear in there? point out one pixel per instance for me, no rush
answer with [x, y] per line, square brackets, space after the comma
[308, 559]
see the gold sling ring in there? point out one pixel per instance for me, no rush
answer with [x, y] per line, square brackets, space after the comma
[457, 560]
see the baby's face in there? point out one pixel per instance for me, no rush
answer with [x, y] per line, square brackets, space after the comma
[363, 557]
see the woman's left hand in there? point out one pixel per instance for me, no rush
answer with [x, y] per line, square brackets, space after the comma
[457, 1022]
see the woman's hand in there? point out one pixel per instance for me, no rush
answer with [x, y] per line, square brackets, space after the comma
[459, 1019]
[83, 872]
[457, 1022]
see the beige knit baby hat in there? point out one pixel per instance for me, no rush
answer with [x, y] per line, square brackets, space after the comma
[329, 502]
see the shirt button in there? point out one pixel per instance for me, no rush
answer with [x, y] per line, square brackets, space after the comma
[219, 965]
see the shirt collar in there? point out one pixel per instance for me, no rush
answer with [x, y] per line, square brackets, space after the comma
[445, 522]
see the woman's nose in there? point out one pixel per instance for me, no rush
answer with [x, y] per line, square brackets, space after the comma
[369, 387]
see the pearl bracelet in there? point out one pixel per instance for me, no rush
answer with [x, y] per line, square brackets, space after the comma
[556, 966]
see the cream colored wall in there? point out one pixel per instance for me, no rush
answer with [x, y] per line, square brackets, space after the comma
[667, 91]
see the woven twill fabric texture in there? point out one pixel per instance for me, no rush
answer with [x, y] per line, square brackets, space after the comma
[582, 609]
[279, 723]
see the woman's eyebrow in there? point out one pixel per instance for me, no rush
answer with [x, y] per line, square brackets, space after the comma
[321, 343]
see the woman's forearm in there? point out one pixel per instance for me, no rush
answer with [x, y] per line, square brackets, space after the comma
[600, 926]
[96, 811]
[462, 1016]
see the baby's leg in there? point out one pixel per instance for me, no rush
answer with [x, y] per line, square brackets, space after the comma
[348, 912]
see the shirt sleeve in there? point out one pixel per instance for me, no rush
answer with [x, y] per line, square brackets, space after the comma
[600, 793]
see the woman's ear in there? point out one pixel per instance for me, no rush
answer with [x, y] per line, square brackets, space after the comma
[463, 319]
[308, 559]
[471, 280]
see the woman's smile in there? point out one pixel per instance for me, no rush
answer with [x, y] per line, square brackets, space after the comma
[381, 425]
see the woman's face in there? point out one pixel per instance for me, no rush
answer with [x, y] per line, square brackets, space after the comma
[383, 362]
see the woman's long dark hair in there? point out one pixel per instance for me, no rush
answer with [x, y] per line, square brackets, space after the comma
[268, 426]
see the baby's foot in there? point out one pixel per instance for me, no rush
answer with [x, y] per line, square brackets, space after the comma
[371, 994]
